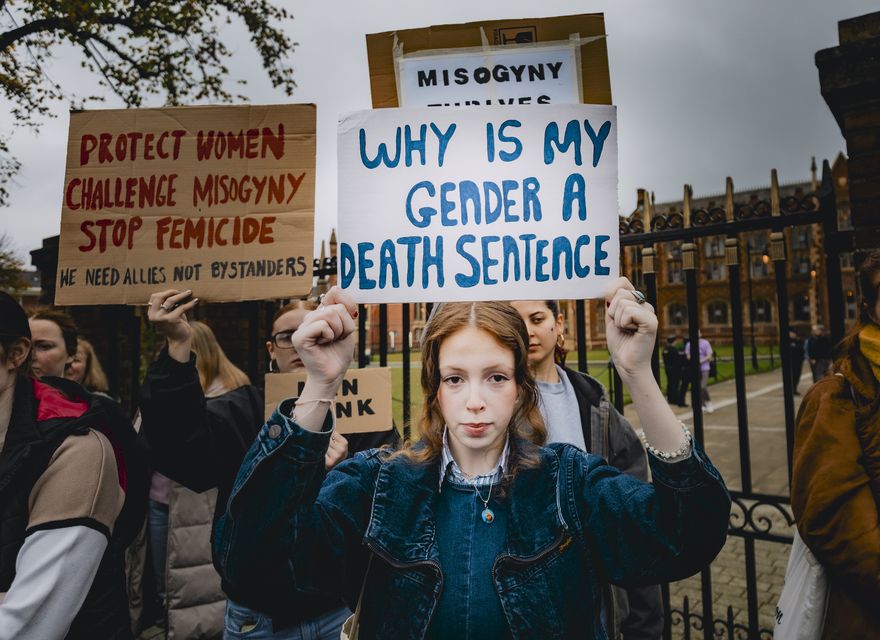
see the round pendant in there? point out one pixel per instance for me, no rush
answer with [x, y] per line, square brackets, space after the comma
[488, 516]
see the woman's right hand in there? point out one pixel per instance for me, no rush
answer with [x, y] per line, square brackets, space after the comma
[167, 313]
[325, 342]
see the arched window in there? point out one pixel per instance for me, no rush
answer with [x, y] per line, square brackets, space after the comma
[801, 308]
[762, 311]
[718, 312]
[676, 314]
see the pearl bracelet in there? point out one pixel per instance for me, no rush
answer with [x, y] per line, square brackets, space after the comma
[681, 452]
[300, 403]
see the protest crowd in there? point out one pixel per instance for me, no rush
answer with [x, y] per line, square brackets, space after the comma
[524, 505]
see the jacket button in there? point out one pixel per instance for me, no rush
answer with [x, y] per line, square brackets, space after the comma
[274, 431]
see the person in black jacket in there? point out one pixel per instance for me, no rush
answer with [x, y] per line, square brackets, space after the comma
[598, 428]
[180, 431]
[819, 352]
[672, 365]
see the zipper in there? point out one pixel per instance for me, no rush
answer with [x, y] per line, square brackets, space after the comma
[433, 564]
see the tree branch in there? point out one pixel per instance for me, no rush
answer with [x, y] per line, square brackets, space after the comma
[8, 38]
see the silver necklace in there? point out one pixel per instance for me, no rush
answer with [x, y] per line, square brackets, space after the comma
[487, 514]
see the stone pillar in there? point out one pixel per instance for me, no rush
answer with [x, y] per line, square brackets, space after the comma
[849, 75]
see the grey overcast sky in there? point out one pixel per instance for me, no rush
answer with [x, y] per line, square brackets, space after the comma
[704, 89]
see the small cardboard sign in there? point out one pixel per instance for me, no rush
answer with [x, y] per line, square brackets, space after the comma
[215, 199]
[363, 402]
[483, 203]
[585, 31]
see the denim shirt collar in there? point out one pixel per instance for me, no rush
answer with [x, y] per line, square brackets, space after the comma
[402, 522]
[449, 469]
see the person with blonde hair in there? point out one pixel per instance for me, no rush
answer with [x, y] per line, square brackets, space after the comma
[476, 530]
[199, 414]
[86, 369]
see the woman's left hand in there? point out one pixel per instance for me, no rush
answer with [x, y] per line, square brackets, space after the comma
[630, 330]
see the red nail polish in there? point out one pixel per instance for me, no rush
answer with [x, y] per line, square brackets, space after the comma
[607, 304]
[355, 315]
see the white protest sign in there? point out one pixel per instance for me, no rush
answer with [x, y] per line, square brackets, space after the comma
[533, 74]
[478, 203]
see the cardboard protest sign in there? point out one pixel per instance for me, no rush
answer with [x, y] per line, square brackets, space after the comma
[485, 203]
[363, 402]
[396, 57]
[215, 199]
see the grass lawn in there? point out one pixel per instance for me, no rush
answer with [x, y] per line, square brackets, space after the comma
[598, 368]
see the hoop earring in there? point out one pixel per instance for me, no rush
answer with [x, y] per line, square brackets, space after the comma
[560, 341]
[273, 366]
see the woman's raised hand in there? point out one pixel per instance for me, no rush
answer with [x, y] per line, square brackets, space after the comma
[630, 330]
[167, 312]
[325, 341]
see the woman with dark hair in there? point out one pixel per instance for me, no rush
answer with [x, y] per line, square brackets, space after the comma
[476, 530]
[576, 410]
[60, 495]
[835, 484]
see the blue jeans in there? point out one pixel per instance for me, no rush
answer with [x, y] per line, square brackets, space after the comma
[158, 519]
[246, 624]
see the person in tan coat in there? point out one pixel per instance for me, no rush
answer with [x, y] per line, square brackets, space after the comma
[835, 486]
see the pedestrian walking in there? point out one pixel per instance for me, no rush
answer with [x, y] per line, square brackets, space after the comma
[476, 530]
[819, 352]
[705, 356]
[672, 366]
[835, 484]
[576, 410]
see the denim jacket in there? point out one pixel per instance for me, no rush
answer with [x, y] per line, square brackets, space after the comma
[574, 523]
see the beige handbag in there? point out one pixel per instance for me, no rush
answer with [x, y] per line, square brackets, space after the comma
[351, 624]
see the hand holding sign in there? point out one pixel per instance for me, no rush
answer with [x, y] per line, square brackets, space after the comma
[325, 342]
[167, 312]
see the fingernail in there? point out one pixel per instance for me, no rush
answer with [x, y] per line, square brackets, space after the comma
[607, 304]
[355, 314]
